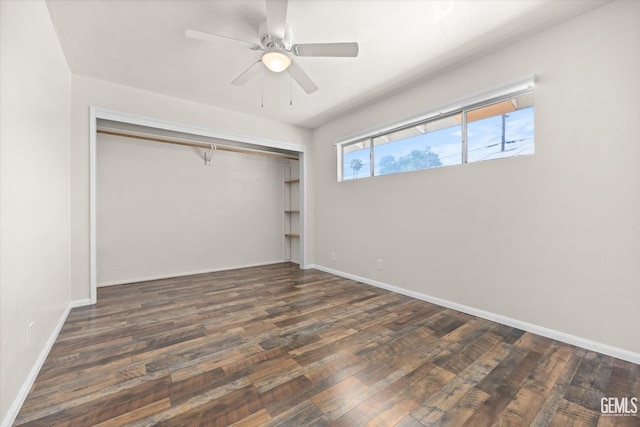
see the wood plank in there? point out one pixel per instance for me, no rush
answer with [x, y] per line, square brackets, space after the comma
[460, 412]
[434, 408]
[259, 418]
[136, 414]
[386, 408]
[303, 414]
[550, 405]
[275, 374]
[287, 395]
[570, 414]
[226, 410]
[500, 397]
[533, 391]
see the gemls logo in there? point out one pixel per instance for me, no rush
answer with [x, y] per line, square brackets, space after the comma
[613, 406]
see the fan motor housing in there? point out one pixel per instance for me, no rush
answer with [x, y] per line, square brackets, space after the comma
[269, 41]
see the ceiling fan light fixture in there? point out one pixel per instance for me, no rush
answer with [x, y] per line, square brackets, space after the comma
[276, 60]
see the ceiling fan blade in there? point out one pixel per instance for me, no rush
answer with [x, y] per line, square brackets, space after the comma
[247, 75]
[276, 17]
[302, 78]
[201, 35]
[326, 49]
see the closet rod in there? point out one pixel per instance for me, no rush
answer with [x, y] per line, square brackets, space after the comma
[199, 145]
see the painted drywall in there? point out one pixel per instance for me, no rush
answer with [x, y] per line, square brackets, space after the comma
[551, 239]
[87, 92]
[162, 212]
[35, 83]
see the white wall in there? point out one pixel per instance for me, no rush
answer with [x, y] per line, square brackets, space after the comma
[161, 212]
[551, 239]
[35, 85]
[87, 92]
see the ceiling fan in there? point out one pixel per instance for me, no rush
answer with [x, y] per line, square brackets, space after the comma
[276, 43]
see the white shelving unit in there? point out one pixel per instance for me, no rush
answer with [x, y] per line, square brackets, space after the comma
[291, 215]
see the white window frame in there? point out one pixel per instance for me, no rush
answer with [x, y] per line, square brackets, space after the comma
[491, 96]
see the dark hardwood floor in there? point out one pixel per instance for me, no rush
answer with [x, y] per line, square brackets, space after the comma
[277, 345]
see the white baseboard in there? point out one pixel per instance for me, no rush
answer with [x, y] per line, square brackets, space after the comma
[525, 326]
[26, 386]
[79, 303]
[188, 273]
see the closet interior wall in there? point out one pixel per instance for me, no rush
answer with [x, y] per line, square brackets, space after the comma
[162, 212]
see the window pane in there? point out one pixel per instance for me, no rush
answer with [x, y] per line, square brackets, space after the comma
[424, 146]
[504, 129]
[356, 160]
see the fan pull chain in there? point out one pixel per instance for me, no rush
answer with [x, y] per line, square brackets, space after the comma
[262, 93]
[290, 91]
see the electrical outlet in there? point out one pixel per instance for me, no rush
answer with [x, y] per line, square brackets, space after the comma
[30, 332]
[379, 264]
[333, 256]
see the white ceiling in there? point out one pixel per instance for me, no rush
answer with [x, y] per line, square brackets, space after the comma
[142, 44]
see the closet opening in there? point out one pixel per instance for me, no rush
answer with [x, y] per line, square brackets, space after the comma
[170, 200]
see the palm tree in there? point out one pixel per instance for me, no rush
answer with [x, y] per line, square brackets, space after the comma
[356, 165]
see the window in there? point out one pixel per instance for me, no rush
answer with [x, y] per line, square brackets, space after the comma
[423, 146]
[493, 128]
[356, 160]
[503, 129]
